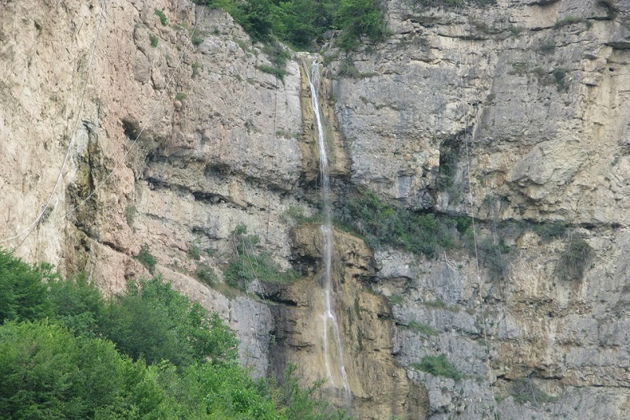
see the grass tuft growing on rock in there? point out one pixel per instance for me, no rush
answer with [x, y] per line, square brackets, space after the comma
[422, 328]
[130, 214]
[163, 20]
[395, 299]
[295, 215]
[568, 20]
[438, 366]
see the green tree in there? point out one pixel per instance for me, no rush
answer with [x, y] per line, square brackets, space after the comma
[154, 322]
[357, 18]
[48, 373]
[77, 305]
[299, 22]
[22, 291]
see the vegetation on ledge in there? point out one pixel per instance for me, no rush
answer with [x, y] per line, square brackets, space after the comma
[301, 23]
[381, 223]
[248, 264]
[454, 3]
[438, 366]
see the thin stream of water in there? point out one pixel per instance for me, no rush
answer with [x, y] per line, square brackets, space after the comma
[329, 318]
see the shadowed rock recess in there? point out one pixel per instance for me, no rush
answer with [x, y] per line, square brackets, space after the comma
[498, 132]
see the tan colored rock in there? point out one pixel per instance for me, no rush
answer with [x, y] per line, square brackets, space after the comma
[380, 388]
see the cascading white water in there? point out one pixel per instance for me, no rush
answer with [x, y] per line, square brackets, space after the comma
[334, 356]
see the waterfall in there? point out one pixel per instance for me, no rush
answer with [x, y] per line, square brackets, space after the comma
[333, 350]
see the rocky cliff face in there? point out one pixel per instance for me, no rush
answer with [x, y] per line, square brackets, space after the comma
[120, 132]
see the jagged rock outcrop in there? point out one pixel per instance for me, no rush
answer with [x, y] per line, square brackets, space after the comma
[120, 132]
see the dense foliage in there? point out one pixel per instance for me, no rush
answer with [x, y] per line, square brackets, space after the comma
[302, 22]
[66, 352]
[49, 373]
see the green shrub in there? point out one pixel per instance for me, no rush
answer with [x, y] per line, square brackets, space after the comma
[454, 3]
[248, 264]
[197, 39]
[383, 224]
[196, 68]
[438, 366]
[450, 154]
[492, 256]
[359, 18]
[525, 390]
[22, 289]
[547, 46]
[48, 373]
[302, 403]
[194, 252]
[146, 258]
[300, 22]
[180, 96]
[130, 214]
[560, 79]
[278, 57]
[422, 328]
[155, 323]
[275, 71]
[295, 214]
[77, 305]
[153, 40]
[206, 274]
[574, 260]
[348, 69]
[550, 230]
[463, 223]
[303, 22]
[163, 20]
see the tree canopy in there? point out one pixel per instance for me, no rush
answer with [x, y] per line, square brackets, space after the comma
[67, 352]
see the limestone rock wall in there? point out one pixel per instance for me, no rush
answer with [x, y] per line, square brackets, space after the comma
[119, 132]
[527, 104]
